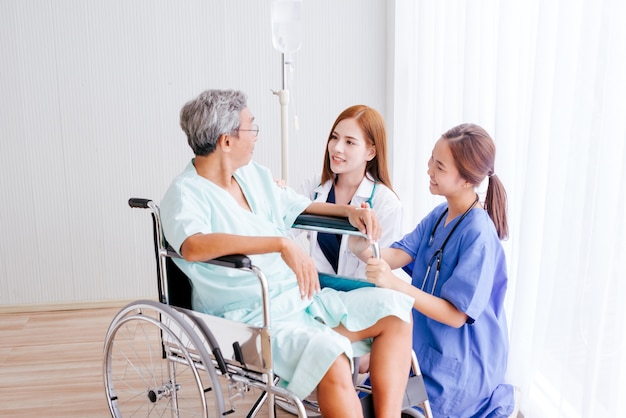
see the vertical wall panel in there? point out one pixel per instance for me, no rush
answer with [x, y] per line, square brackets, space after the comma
[11, 145]
[90, 94]
[32, 163]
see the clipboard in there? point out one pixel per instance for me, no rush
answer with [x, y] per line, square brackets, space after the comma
[342, 283]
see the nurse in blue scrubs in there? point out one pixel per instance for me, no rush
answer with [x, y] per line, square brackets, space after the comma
[459, 280]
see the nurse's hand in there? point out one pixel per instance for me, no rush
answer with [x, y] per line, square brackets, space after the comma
[303, 266]
[378, 272]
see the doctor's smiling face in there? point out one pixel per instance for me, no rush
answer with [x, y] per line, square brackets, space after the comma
[348, 148]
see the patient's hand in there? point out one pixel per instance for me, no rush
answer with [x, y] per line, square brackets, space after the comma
[304, 267]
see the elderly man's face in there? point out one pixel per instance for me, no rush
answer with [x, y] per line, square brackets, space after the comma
[247, 136]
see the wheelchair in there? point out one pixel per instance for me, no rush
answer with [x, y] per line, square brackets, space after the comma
[161, 358]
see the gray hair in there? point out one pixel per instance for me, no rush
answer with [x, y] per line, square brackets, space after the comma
[210, 115]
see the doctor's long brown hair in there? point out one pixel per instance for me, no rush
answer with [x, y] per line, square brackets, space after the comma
[373, 126]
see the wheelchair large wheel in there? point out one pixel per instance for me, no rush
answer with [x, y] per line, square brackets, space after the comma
[156, 365]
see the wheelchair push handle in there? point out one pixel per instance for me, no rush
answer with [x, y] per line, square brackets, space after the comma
[136, 202]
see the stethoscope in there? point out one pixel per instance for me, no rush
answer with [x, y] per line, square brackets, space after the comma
[368, 201]
[438, 255]
[375, 246]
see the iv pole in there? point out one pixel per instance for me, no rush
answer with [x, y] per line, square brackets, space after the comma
[283, 99]
[286, 37]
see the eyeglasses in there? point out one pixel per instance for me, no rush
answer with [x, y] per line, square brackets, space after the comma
[254, 130]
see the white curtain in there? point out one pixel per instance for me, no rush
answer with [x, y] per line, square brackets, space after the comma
[547, 79]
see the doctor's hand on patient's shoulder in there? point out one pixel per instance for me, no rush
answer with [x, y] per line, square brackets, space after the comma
[365, 220]
[303, 266]
[280, 182]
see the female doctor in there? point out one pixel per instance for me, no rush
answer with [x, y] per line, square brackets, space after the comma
[355, 172]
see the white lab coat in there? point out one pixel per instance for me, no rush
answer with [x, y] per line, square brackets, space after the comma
[388, 210]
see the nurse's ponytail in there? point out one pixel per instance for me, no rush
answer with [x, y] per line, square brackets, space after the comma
[475, 152]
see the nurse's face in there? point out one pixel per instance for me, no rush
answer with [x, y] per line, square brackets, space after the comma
[445, 179]
[348, 149]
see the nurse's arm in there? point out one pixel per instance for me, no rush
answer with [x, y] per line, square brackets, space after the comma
[380, 272]
[361, 247]
[432, 306]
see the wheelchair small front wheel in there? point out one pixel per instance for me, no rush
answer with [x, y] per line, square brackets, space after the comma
[153, 365]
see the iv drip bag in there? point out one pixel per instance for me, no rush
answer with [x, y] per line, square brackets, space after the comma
[286, 25]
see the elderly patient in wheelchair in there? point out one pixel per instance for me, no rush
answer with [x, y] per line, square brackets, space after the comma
[223, 203]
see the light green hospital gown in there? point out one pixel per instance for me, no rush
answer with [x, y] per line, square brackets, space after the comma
[304, 344]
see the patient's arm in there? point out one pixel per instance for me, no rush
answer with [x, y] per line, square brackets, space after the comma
[201, 247]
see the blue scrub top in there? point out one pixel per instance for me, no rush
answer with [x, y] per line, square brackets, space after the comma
[463, 367]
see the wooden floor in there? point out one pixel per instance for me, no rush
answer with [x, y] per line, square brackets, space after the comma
[51, 365]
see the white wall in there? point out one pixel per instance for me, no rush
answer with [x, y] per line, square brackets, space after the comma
[89, 100]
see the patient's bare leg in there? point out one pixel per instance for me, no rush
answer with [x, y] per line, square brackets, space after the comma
[390, 362]
[336, 394]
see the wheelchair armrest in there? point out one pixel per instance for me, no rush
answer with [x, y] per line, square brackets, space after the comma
[324, 223]
[332, 225]
[306, 219]
[233, 260]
